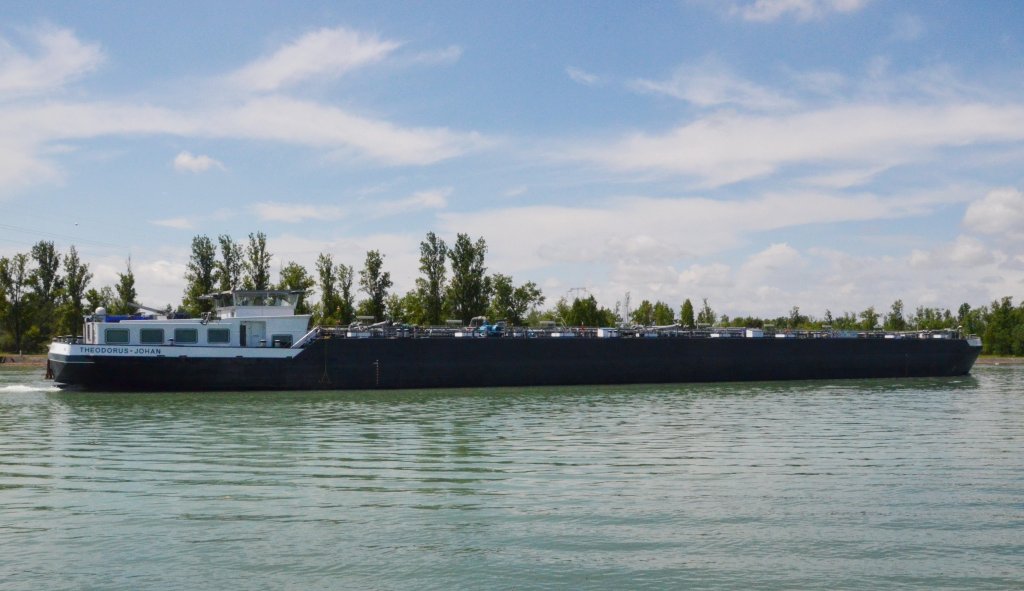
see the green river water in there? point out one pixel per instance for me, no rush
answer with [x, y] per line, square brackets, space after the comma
[906, 484]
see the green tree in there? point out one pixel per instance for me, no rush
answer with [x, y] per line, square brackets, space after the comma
[796, 319]
[512, 303]
[47, 286]
[431, 287]
[294, 277]
[706, 316]
[375, 283]
[125, 291]
[76, 280]
[686, 314]
[894, 320]
[999, 330]
[346, 298]
[200, 276]
[469, 289]
[663, 314]
[326, 311]
[869, 318]
[644, 314]
[407, 309]
[231, 263]
[103, 298]
[586, 312]
[14, 280]
[257, 262]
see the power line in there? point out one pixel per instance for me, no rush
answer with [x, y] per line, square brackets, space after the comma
[73, 239]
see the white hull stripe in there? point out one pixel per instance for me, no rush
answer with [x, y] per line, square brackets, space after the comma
[69, 350]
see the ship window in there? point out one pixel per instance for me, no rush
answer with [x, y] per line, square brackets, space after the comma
[186, 336]
[218, 336]
[151, 336]
[282, 340]
[116, 336]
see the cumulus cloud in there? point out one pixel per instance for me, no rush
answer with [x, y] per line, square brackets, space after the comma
[1000, 213]
[582, 77]
[725, 148]
[312, 124]
[296, 212]
[178, 223]
[188, 162]
[710, 83]
[324, 53]
[60, 58]
[448, 55]
[801, 10]
[431, 199]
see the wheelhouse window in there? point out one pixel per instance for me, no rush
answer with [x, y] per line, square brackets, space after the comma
[218, 336]
[282, 340]
[151, 336]
[186, 336]
[116, 336]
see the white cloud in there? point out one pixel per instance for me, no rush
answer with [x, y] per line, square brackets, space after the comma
[176, 223]
[776, 259]
[61, 58]
[187, 162]
[968, 251]
[907, 27]
[632, 230]
[448, 55]
[1000, 213]
[582, 77]
[431, 199]
[728, 147]
[312, 124]
[709, 83]
[296, 212]
[326, 53]
[801, 10]
[28, 131]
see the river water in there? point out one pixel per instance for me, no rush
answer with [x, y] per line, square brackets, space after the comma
[910, 484]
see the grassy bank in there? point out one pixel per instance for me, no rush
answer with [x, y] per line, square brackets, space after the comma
[11, 360]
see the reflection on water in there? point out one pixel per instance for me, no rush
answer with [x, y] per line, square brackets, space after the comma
[861, 484]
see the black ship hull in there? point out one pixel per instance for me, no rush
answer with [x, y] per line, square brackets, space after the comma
[392, 363]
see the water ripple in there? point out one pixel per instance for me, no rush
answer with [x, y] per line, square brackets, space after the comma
[852, 485]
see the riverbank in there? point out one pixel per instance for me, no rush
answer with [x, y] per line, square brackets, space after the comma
[13, 361]
[994, 360]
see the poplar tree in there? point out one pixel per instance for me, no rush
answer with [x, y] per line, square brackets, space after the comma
[14, 276]
[200, 276]
[229, 267]
[76, 280]
[125, 291]
[294, 277]
[686, 314]
[327, 310]
[46, 284]
[431, 287]
[257, 262]
[375, 283]
[469, 290]
[346, 299]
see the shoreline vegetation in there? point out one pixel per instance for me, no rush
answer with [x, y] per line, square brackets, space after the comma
[45, 293]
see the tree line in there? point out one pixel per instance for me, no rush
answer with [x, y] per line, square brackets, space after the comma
[44, 293]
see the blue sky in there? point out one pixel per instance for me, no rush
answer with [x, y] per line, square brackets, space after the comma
[828, 154]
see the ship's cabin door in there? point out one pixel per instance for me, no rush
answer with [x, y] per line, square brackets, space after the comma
[253, 334]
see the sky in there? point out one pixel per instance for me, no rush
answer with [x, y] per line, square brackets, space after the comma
[762, 154]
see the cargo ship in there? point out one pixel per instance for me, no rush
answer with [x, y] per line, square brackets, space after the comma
[254, 340]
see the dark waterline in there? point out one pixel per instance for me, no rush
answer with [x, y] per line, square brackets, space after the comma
[913, 484]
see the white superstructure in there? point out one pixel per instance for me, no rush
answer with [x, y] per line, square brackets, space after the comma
[248, 323]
